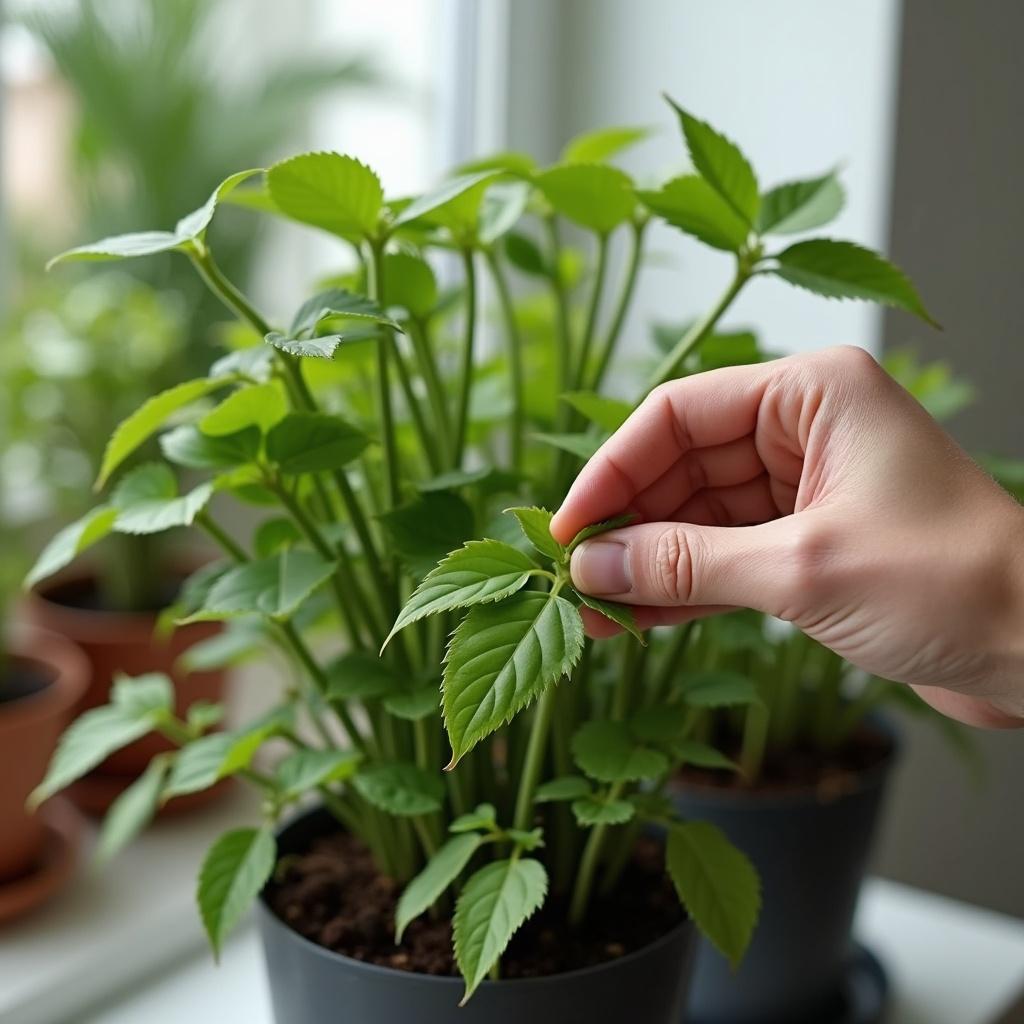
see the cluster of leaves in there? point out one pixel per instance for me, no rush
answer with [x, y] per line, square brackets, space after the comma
[382, 447]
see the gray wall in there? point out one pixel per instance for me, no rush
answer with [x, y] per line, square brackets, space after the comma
[957, 223]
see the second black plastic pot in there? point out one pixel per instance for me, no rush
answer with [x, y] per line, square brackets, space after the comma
[811, 848]
[311, 985]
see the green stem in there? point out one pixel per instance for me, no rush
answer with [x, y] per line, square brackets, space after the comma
[588, 867]
[384, 408]
[468, 340]
[515, 357]
[419, 336]
[533, 763]
[204, 520]
[671, 662]
[419, 420]
[564, 363]
[622, 306]
[202, 259]
[593, 311]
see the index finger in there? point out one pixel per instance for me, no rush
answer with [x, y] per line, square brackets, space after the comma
[695, 412]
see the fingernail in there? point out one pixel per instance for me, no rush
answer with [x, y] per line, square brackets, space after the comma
[601, 567]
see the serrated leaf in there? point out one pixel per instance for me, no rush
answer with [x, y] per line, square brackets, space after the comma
[844, 270]
[621, 614]
[329, 191]
[526, 840]
[536, 526]
[234, 871]
[591, 810]
[131, 812]
[607, 413]
[255, 363]
[483, 817]
[455, 203]
[304, 770]
[583, 446]
[409, 282]
[255, 405]
[423, 531]
[415, 704]
[149, 418]
[401, 788]
[491, 908]
[198, 765]
[311, 442]
[595, 196]
[71, 542]
[600, 145]
[361, 676]
[568, 787]
[333, 303]
[427, 887]
[596, 529]
[716, 883]
[482, 570]
[188, 446]
[721, 163]
[692, 205]
[717, 689]
[800, 205]
[607, 752]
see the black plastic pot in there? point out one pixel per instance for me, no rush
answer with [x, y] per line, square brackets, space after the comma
[811, 849]
[312, 985]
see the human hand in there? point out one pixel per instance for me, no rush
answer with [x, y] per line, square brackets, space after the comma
[815, 489]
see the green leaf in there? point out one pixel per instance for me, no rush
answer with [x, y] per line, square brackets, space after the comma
[361, 676]
[525, 255]
[597, 146]
[147, 501]
[526, 840]
[502, 656]
[329, 191]
[800, 205]
[254, 363]
[193, 225]
[188, 446]
[484, 818]
[418, 703]
[702, 755]
[502, 207]
[256, 405]
[409, 282]
[521, 164]
[274, 534]
[311, 442]
[933, 383]
[692, 205]
[149, 694]
[234, 871]
[149, 418]
[716, 883]
[621, 614]
[203, 715]
[482, 570]
[595, 196]
[536, 526]
[304, 770]
[844, 270]
[721, 163]
[401, 788]
[596, 529]
[426, 529]
[717, 689]
[568, 787]
[491, 908]
[427, 887]
[661, 723]
[607, 752]
[454, 204]
[592, 810]
[607, 413]
[131, 812]
[246, 742]
[71, 542]
[583, 446]
[337, 303]
[198, 765]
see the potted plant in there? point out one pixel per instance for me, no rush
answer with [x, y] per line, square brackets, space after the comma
[384, 443]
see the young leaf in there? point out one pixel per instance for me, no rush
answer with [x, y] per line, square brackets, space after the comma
[441, 871]
[188, 446]
[409, 282]
[491, 908]
[503, 206]
[455, 203]
[597, 146]
[198, 765]
[400, 788]
[193, 225]
[607, 413]
[502, 656]
[420, 702]
[71, 542]
[800, 205]
[483, 818]
[334, 303]
[692, 205]
[303, 771]
[311, 442]
[149, 418]
[256, 405]
[525, 255]
[583, 446]
[717, 689]
[234, 871]
[329, 191]
[716, 883]
[592, 810]
[132, 811]
[536, 526]
[844, 270]
[595, 196]
[482, 570]
[426, 529]
[721, 163]
[596, 529]
[361, 676]
[568, 787]
[607, 752]
[621, 614]
[147, 501]
[246, 742]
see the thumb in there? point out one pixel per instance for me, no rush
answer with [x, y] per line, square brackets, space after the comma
[677, 564]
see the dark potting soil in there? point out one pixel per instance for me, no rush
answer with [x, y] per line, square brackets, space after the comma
[828, 773]
[335, 896]
[20, 680]
[87, 596]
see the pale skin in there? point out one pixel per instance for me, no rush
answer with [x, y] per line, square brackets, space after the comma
[815, 489]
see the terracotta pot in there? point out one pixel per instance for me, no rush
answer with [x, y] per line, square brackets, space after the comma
[123, 642]
[29, 728]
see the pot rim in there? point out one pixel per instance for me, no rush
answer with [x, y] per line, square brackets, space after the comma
[267, 915]
[59, 657]
[860, 781]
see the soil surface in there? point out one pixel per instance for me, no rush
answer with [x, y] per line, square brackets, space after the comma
[21, 680]
[336, 897]
[829, 773]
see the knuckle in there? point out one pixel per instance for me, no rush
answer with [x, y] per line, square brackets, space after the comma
[854, 360]
[675, 566]
[811, 558]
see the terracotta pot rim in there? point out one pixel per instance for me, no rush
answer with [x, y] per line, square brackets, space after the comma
[60, 659]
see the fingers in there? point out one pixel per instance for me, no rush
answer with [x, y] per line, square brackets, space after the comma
[598, 627]
[713, 408]
[673, 565]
